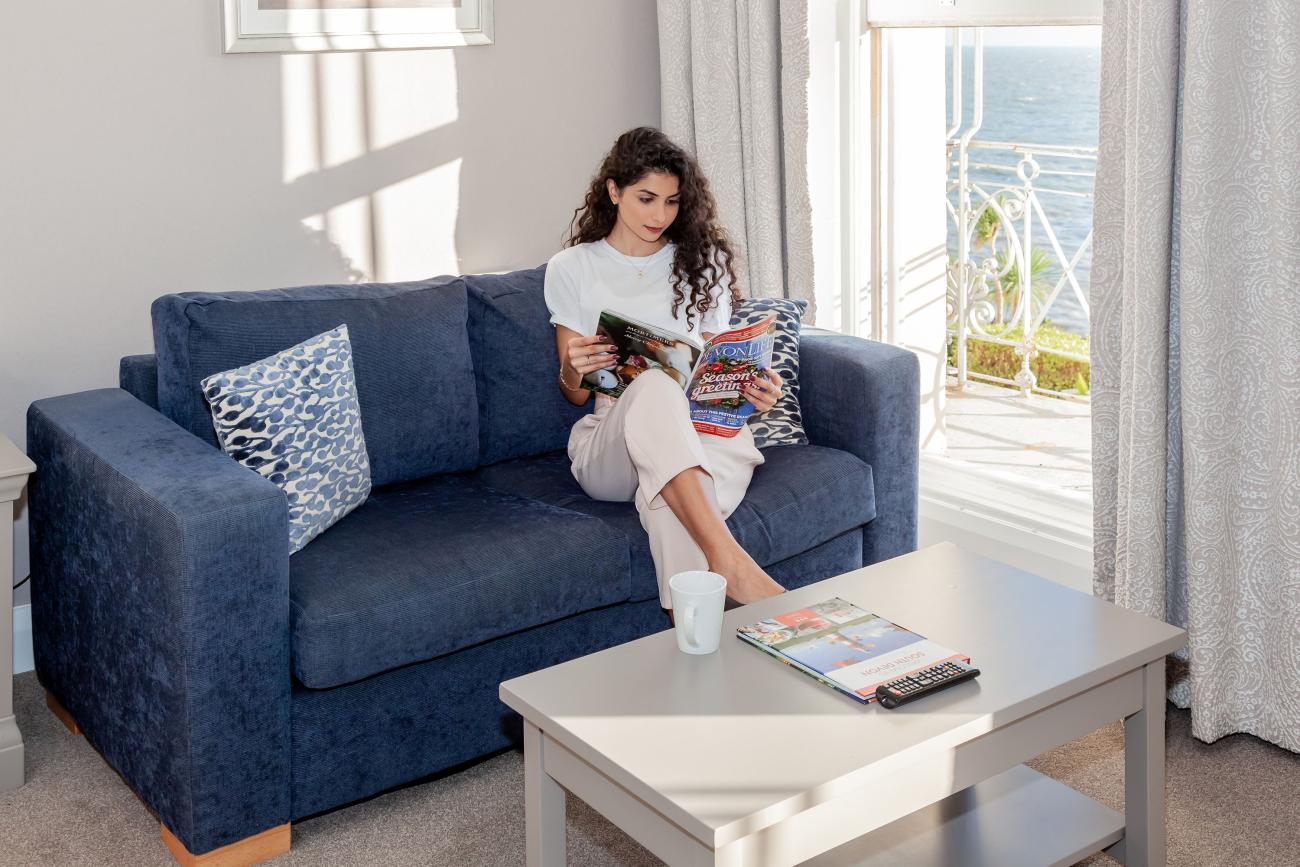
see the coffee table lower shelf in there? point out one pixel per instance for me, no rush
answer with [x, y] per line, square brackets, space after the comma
[1018, 817]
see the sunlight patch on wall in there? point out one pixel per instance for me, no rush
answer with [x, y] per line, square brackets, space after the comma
[298, 113]
[410, 92]
[349, 227]
[324, 111]
[416, 225]
[338, 107]
[406, 231]
[342, 112]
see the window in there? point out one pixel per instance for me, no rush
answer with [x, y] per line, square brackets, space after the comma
[1020, 151]
[964, 157]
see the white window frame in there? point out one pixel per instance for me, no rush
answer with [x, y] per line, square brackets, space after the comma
[959, 501]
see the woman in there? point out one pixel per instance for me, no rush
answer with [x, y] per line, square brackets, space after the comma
[646, 244]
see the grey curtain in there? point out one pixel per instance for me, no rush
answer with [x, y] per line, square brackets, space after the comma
[1196, 347]
[734, 77]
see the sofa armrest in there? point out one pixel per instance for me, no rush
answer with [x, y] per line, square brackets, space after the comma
[865, 397]
[160, 596]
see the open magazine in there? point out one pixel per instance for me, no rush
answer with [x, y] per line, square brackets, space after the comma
[846, 648]
[713, 375]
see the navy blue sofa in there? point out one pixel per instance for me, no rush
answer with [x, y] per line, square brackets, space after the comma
[237, 689]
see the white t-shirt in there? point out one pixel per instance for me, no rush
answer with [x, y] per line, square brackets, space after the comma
[585, 279]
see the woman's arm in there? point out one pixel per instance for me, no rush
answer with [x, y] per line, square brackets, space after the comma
[579, 356]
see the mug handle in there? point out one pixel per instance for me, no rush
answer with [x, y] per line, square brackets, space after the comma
[688, 624]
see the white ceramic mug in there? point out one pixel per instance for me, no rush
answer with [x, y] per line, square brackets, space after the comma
[698, 600]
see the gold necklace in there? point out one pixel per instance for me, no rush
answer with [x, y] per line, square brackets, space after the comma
[640, 269]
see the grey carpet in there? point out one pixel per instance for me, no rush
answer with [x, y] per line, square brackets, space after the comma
[1234, 802]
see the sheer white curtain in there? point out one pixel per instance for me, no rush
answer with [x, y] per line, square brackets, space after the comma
[734, 75]
[1196, 347]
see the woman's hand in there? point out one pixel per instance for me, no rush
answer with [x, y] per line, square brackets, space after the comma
[584, 355]
[764, 390]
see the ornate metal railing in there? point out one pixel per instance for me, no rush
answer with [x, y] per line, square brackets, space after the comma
[1010, 266]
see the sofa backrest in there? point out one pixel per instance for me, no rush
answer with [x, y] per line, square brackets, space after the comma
[410, 350]
[137, 375]
[521, 410]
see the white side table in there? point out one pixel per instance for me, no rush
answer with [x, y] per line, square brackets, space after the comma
[15, 467]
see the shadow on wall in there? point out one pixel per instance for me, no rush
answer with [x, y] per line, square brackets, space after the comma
[469, 159]
[415, 163]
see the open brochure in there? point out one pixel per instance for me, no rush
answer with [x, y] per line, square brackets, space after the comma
[846, 648]
[714, 375]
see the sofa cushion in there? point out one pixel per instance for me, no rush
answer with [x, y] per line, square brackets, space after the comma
[799, 497]
[521, 410]
[411, 357]
[294, 418]
[782, 424]
[430, 567]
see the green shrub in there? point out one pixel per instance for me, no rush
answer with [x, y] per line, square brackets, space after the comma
[1055, 372]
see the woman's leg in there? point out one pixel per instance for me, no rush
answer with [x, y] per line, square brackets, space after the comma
[689, 531]
[598, 446]
[687, 485]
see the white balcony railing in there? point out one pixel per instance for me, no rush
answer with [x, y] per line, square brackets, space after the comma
[1010, 266]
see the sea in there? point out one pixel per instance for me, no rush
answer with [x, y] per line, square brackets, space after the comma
[1044, 95]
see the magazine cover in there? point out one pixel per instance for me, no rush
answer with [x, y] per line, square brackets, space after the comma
[714, 376]
[846, 647]
[641, 347]
[730, 362]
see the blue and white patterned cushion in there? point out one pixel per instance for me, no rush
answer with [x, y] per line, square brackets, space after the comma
[782, 424]
[294, 418]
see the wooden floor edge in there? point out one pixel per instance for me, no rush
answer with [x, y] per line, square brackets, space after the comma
[269, 844]
[62, 713]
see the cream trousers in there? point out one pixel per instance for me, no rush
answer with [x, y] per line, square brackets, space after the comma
[628, 450]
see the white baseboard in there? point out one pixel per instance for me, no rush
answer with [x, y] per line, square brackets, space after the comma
[23, 660]
[1035, 527]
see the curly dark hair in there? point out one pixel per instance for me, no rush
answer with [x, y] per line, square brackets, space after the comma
[703, 254]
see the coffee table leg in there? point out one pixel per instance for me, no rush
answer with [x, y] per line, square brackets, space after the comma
[1144, 843]
[543, 805]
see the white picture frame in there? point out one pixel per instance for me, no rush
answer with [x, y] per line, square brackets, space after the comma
[353, 25]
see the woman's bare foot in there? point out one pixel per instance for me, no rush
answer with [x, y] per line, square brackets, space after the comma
[746, 580]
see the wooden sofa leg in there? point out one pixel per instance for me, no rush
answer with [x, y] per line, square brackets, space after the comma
[269, 844]
[62, 713]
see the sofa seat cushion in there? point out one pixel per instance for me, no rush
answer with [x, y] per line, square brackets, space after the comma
[430, 567]
[800, 497]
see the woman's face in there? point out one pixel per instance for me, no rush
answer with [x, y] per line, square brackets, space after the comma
[647, 206]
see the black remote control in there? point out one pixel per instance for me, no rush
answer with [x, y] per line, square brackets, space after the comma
[919, 683]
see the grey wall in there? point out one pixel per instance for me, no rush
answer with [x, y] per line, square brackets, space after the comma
[137, 159]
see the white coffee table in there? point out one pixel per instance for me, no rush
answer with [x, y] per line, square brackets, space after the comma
[732, 759]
